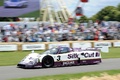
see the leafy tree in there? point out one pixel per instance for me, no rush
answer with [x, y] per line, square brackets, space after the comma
[109, 13]
[106, 18]
[118, 7]
[83, 19]
[93, 18]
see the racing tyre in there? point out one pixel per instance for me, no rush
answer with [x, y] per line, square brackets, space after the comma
[47, 62]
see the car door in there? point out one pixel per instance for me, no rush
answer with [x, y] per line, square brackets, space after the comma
[66, 57]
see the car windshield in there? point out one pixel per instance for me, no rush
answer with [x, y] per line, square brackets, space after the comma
[51, 51]
[15, 0]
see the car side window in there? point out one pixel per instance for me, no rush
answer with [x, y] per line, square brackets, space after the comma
[54, 51]
[64, 50]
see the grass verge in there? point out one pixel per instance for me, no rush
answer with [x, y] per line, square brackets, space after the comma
[12, 58]
[72, 76]
[1, 2]
[31, 14]
[113, 53]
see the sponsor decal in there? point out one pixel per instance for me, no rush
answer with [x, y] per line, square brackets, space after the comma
[33, 47]
[102, 44]
[82, 45]
[71, 56]
[86, 55]
[68, 63]
[116, 44]
[9, 47]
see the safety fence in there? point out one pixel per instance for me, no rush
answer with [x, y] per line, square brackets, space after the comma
[21, 46]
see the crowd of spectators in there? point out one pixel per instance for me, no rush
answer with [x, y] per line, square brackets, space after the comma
[60, 32]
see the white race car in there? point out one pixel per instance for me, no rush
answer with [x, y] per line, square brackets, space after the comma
[61, 56]
[15, 3]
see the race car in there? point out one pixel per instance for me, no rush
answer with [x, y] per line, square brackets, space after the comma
[61, 56]
[15, 3]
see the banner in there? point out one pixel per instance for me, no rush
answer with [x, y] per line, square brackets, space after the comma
[8, 47]
[101, 44]
[33, 47]
[82, 45]
[116, 44]
[104, 49]
[59, 44]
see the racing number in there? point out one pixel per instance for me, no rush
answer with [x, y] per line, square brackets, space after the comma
[58, 57]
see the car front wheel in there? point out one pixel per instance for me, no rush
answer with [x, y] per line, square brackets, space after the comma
[47, 62]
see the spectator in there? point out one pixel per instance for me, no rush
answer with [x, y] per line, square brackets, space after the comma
[64, 37]
[44, 32]
[40, 38]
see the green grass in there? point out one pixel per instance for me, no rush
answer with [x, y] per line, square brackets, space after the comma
[12, 58]
[113, 53]
[1, 2]
[72, 76]
[31, 14]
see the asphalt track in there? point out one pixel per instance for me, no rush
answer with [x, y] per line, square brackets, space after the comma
[33, 5]
[10, 72]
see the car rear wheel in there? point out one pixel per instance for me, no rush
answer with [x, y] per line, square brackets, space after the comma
[47, 62]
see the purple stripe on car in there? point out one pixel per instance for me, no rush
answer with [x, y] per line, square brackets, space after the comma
[77, 62]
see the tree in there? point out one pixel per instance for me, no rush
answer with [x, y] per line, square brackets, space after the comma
[83, 19]
[118, 7]
[106, 18]
[109, 13]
